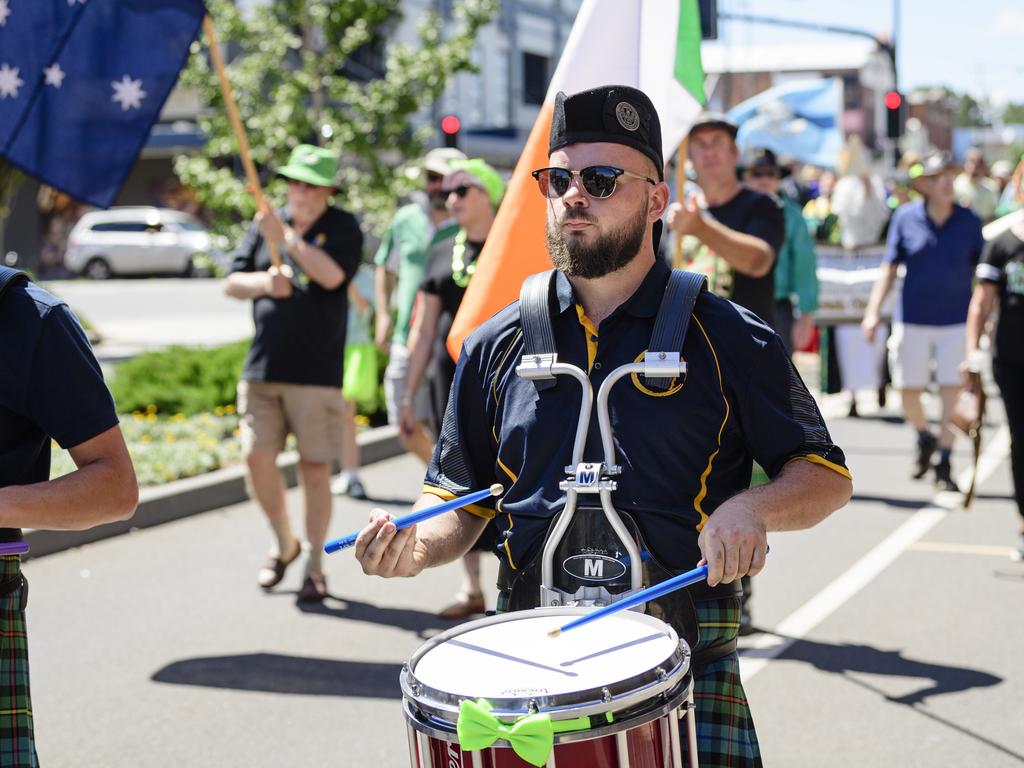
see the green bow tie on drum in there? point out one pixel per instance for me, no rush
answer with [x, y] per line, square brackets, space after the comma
[531, 738]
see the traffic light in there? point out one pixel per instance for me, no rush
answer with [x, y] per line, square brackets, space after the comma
[450, 125]
[894, 114]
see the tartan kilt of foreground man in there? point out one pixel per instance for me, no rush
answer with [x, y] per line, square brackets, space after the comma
[16, 727]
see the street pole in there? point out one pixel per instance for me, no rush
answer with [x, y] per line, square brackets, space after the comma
[893, 48]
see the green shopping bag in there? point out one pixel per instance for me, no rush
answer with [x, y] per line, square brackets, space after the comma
[360, 375]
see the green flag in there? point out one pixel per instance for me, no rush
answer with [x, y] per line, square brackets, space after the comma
[689, 71]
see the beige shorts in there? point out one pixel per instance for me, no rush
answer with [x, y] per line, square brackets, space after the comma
[917, 353]
[315, 415]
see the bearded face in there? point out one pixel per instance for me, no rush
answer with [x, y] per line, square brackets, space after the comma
[588, 254]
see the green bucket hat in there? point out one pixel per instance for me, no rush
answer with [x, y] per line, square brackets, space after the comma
[487, 176]
[313, 165]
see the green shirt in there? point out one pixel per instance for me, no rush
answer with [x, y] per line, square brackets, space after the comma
[403, 250]
[796, 265]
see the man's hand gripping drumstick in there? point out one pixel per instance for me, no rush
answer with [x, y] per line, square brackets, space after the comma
[385, 549]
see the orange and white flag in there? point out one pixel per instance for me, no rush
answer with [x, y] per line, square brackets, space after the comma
[653, 45]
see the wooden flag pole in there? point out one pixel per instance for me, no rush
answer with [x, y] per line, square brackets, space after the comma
[236, 123]
[681, 153]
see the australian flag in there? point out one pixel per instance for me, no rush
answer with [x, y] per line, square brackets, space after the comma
[83, 81]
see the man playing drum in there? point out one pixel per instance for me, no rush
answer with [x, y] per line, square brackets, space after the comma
[685, 451]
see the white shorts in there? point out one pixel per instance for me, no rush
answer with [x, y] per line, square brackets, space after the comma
[394, 386]
[919, 353]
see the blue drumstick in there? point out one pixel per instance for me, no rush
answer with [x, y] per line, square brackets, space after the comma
[420, 515]
[643, 596]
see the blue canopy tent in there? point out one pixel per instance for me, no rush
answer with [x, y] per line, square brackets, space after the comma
[798, 119]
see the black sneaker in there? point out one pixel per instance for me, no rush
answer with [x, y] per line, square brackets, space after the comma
[943, 477]
[926, 445]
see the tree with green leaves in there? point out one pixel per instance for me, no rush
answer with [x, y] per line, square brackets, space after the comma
[1013, 113]
[300, 75]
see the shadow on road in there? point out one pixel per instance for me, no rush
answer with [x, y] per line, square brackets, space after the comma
[419, 622]
[891, 501]
[847, 657]
[274, 673]
[842, 659]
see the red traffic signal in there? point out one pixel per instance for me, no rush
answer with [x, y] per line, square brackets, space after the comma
[450, 124]
[892, 100]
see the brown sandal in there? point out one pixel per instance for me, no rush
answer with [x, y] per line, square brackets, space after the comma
[272, 571]
[463, 607]
[314, 589]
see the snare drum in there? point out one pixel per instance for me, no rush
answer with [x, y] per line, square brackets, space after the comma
[612, 693]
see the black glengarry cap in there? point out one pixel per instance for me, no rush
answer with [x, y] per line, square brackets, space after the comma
[617, 114]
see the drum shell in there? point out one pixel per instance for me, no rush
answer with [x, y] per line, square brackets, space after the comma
[644, 711]
[650, 745]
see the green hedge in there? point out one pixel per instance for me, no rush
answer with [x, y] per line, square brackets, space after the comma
[186, 380]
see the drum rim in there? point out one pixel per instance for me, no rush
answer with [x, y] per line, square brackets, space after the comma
[624, 694]
[668, 704]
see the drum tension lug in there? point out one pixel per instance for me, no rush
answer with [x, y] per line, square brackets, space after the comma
[606, 695]
[532, 707]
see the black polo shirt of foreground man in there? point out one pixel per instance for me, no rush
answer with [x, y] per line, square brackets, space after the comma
[686, 454]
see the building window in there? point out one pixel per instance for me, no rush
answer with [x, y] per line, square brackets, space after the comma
[851, 91]
[535, 78]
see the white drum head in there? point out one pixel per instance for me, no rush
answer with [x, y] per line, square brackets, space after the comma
[511, 657]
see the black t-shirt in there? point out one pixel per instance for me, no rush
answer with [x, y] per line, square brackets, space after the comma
[301, 339]
[751, 213]
[51, 387]
[1002, 262]
[438, 281]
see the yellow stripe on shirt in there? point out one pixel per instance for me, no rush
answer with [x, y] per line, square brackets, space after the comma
[445, 495]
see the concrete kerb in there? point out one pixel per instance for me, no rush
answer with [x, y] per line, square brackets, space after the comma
[182, 498]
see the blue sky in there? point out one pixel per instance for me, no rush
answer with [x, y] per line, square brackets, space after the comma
[970, 45]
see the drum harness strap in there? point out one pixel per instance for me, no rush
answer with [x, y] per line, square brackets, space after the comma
[537, 304]
[8, 278]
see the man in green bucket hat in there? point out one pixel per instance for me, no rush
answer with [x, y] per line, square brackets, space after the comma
[292, 378]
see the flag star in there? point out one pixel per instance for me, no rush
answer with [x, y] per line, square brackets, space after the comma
[72, 2]
[128, 93]
[9, 82]
[4, 12]
[54, 75]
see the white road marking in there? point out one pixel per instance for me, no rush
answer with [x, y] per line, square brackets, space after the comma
[962, 549]
[756, 655]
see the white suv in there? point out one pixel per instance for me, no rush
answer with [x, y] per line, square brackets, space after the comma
[135, 241]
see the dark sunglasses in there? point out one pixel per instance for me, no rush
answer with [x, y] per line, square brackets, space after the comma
[765, 174]
[434, 177]
[462, 190]
[597, 180]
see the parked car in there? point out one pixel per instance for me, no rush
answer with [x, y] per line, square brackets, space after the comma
[138, 241]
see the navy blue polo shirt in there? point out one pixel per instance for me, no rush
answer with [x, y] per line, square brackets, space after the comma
[940, 263]
[683, 452]
[51, 387]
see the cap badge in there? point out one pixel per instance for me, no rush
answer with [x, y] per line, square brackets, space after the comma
[627, 116]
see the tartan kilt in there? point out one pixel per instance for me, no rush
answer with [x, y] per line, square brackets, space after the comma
[17, 736]
[725, 729]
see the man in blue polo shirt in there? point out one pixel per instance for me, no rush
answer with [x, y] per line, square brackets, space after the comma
[51, 389]
[686, 452]
[939, 243]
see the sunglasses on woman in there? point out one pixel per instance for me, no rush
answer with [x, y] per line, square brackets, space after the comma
[598, 180]
[462, 190]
